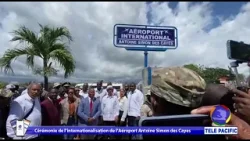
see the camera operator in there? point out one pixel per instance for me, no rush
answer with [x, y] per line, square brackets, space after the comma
[242, 104]
[236, 100]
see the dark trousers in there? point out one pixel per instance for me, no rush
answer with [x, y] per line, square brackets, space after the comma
[100, 122]
[109, 123]
[119, 119]
[51, 137]
[38, 138]
[132, 122]
[121, 124]
[71, 122]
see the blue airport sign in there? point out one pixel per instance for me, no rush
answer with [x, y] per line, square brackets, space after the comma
[144, 37]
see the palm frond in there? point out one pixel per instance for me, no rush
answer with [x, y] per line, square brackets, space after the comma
[51, 36]
[30, 60]
[60, 46]
[10, 55]
[59, 33]
[45, 35]
[47, 45]
[65, 59]
[45, 30]
[24, 34]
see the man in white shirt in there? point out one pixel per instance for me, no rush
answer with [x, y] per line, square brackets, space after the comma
[43, 93]
[84, 91]
[99, 91]
[26, 106]
[110, 108]
[133, 106]
[24, 92]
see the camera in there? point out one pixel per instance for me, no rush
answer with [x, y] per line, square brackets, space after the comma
[238, 51]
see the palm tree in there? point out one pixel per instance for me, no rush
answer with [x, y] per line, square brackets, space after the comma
[47, 45]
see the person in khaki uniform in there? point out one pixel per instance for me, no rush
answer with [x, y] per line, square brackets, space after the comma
[175, 91]
[5, 100]
[146, 109]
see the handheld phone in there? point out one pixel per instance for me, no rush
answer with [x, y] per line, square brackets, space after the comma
[238, 51]
[178, 120]
[19, 128]
[242, 88]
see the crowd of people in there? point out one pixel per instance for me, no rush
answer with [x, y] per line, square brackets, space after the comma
[174, 91]
[64, 104]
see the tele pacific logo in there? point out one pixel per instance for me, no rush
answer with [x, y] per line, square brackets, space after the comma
[220, 115]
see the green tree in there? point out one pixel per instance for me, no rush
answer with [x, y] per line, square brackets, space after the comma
[48, 45]
[2, 85]
[196, 68]
[211, 75]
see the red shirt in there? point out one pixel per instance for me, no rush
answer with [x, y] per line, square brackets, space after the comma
[60, 99]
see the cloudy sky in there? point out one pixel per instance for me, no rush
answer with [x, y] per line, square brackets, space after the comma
[203, 30]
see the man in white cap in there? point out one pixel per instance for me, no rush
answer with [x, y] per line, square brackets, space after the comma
[110, 108]
[10, 87]
[57, 86]
[114, 90]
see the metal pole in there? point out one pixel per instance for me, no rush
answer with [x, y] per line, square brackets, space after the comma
[145, 59]
[237, 76]
[234, 65]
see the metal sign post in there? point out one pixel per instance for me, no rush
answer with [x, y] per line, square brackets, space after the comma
[145, 59]
[145, 38]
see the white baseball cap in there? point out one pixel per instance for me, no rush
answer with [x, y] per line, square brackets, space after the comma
[56, 85]
[10, 86]
[109, 87]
